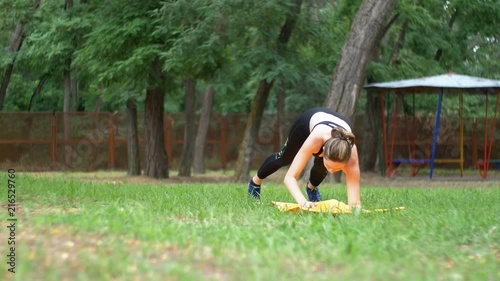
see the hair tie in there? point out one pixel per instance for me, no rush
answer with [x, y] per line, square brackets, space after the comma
[340, 134]
[350, 141]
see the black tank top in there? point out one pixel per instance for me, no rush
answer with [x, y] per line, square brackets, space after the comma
[329, 124]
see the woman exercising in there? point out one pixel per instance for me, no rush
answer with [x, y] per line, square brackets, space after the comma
[327, 136]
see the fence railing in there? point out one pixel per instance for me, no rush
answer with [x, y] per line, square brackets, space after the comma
[89, 141]
[94, 141]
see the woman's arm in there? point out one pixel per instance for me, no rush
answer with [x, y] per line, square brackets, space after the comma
[310, 146]
[352, 174]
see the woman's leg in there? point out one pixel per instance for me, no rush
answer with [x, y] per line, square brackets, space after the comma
[297, 136]
[318, 173]
[270, 165]
[275, 161]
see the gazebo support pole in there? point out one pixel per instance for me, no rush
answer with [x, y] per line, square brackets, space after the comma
[393, 133]
[461, 113]
[485, 156]
[376, 124]
[384, 132]
[413, 128]
[492, 136]
[436, 131]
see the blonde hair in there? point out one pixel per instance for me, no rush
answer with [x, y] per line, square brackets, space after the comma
[338, 148]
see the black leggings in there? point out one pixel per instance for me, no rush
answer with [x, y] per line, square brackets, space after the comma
[297, 136]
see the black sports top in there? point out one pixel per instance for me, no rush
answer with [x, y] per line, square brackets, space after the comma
[329, 124]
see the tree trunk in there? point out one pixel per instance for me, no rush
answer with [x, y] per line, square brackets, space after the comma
[75, 87]
[189, 128]
[201, 136]
[15, 44]
[134, 160]
[246, 150]
[399, 43]
[439, 52]
[68, 86]
[154, 135]
[281, 114]
[363, 40]
[5, 83]
[37, 90]
[68, 4]
[369, 151]
[245, 154]
[68, 150]
[98, 104]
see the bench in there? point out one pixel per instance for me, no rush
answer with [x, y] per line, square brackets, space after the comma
[481, 166]
[415, 164]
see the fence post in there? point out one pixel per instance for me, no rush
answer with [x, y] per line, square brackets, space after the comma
[111, 141]
[53, 140]
[223, 142]
[474, 142]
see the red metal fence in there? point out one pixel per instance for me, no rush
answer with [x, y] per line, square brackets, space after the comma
[94, 141]
[37, 141]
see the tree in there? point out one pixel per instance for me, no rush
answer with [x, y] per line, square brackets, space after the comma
[246, 150]
[68, 150]
[15, 44]
[189, 128]
[133, 159]
[195, 54]
[154, 134]
[366, 32]
[122, 51]
[431, 38]
[363, 40]
[201, 135]
[14, 47]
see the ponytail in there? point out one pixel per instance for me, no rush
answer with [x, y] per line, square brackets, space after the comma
[338, 148]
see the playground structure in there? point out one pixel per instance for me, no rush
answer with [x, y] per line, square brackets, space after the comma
[449, 82]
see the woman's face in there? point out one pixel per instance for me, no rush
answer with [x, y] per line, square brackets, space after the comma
[332, 166]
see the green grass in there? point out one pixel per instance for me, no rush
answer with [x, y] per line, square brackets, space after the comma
[75, 230]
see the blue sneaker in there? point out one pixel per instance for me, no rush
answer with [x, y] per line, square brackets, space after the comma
[313, 195]
[254, 190]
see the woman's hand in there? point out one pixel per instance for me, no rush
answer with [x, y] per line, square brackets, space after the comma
[308, 205]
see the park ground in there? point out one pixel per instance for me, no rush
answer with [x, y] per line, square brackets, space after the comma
[108, 226]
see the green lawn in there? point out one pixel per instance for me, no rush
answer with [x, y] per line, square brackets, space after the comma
[75, 229]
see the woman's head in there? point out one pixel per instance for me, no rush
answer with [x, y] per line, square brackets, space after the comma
[338, 147]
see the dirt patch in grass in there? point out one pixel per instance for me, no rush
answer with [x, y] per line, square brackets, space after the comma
[402, 178]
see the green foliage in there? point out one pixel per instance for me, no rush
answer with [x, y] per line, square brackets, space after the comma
[114, 47]
[13, 12]
[457, 36]
[196, 47]
[119, 48]
[18, 85]
[314, 50]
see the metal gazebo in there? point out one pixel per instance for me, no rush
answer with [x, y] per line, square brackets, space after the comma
[453, 82]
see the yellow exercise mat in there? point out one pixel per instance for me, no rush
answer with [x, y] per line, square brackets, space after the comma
[328, 206]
